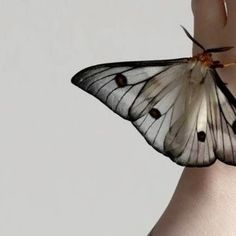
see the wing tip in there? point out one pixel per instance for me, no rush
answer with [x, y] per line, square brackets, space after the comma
[75, 80]
[79, 77]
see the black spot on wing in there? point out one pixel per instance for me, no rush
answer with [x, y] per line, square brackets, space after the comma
[155, 113]
[121, 80]
[234, 127]
[201, 136]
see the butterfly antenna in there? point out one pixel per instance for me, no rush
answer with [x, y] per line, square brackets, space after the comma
[193, 39]
[229, 64]
[222, 49]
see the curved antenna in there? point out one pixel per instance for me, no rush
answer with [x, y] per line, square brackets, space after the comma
[193, 39]
[222, 49]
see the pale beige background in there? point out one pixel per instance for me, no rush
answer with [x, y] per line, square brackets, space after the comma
[61, 171]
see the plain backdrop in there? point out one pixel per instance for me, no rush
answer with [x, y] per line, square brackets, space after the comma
[68, 165]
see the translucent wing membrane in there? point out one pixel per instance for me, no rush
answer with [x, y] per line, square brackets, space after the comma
[182, 112]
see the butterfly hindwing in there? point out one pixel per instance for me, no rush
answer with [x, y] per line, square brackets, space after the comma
[188, 141]
[223, 121]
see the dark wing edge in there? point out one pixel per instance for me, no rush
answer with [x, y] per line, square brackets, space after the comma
[222, 86]
[75, 79]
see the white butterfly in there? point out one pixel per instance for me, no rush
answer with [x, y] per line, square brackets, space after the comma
[181, 106]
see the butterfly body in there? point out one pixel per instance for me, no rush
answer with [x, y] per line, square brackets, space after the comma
[181, 106]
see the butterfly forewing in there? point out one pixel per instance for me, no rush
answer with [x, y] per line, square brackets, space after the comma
[119, 84]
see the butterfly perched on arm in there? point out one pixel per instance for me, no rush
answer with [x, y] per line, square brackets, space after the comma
[181, 106]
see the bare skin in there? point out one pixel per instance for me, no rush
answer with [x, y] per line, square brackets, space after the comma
[204, 202]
